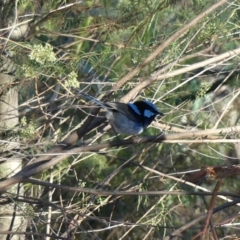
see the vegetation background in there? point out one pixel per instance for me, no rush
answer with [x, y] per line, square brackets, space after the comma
[63, 173]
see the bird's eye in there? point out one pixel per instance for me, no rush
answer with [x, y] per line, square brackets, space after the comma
[148, 113]
[134, 108]
[151, 105]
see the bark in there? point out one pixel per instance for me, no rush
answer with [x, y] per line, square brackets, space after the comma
[11, 214]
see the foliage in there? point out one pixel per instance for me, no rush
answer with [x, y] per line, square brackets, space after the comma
[93, 45]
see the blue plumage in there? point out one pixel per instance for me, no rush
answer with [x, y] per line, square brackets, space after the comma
[130, 118]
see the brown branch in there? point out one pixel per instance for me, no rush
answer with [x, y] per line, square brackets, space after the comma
[210, 210]
[211, 173]
[43, 162]
[158, 138]
[101, 192]
[198, 219]
[163, 46]
[150, 80]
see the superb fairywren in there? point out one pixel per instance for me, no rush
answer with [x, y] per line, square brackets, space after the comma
[130, 118]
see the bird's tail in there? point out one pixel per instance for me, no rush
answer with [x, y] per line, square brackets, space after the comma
[77, 92]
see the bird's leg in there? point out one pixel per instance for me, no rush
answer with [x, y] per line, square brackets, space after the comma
[118, 139]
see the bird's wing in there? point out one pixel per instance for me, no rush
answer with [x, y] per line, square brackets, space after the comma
[115, 106]
[121, 108]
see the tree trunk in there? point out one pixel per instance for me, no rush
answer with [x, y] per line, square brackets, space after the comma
[12, 214]
[12, 217]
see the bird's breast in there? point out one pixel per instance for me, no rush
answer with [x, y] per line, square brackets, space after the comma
[124, 125]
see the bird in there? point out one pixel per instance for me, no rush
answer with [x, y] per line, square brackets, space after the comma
[127, 118]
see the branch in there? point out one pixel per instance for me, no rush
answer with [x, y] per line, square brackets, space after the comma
[223, 57]
[164, 45]
[41, 164]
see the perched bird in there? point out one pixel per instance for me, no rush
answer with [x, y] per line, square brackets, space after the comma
[130, 118]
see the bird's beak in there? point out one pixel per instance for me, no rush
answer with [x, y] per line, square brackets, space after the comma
[161, 114]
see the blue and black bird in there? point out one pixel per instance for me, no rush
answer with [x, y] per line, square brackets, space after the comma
[127, 118]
